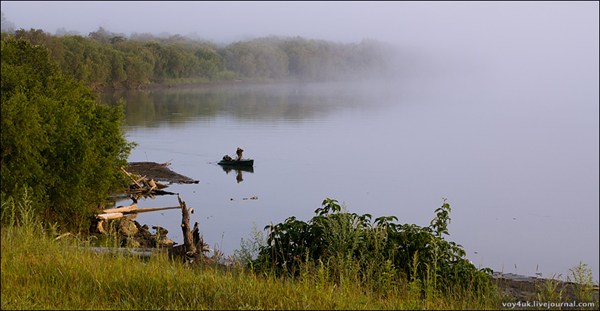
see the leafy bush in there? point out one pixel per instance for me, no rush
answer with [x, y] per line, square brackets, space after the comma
[419, 254]
[57, 140]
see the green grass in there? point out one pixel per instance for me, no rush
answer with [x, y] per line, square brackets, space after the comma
[42, 272]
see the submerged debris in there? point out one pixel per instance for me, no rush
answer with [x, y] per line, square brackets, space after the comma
[144, 177]
[158, 172]
[141, 186]
[128, 212]
[132, 234]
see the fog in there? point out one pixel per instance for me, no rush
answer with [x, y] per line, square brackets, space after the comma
[531, 67]
[484, 35]
[490, 38]
[445, 25]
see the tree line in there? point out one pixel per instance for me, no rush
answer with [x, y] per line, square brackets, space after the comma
[108, 60]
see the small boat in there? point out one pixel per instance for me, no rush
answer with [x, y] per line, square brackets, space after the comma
[236, 163]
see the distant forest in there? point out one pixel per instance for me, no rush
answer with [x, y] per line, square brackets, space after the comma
[108, 60]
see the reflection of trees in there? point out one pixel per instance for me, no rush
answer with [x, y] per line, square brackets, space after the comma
[257, 102]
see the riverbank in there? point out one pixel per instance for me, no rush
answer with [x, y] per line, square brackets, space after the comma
[190, 84]
[528, 288]
[42, 272]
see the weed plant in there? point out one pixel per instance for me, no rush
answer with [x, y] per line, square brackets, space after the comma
[379, 254]
[40, 271]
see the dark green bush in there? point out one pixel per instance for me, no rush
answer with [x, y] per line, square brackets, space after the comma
[412, 252]
[57, 139]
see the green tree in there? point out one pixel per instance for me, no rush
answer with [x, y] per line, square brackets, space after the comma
[57, 139]
[209, 60]
[118, 74]
[105, 59]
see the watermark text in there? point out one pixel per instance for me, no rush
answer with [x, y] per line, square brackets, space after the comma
[547, 304]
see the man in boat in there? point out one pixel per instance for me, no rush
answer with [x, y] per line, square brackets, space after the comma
[238, 152]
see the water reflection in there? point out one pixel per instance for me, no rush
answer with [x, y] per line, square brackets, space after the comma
[238, 171]
[284, 101]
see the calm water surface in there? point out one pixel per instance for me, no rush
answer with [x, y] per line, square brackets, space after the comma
[518, 167]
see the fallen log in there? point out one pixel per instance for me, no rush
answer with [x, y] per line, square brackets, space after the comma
[125, 211]
[120, 209]
[153, 209]
[134, 209]
[143, 252]
[107, 216]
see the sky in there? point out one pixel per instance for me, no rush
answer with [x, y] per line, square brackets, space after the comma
[442, 23]
[442, 35]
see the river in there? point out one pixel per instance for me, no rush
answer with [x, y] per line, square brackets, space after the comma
[519, 166]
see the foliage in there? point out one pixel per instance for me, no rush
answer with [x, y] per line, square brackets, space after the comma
[43, 271]
[58, 142]
[419, 253]
[582, 276]
[109, 60]
[40, 271]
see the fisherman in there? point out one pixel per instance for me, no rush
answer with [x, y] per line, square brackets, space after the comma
[238, 152]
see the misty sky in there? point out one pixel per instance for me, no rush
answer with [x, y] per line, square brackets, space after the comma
[406, 23]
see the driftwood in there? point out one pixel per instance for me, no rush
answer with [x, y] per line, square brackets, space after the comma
[123, 211]
[142, 186]
[193, 248]
[188, 238]
[107, 216]
[134, 209]
[133, 234]
[132, 178]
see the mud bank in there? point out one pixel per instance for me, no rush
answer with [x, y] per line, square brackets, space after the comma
[159, 172]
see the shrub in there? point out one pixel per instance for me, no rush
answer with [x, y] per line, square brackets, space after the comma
[419, 254]
[57, 140]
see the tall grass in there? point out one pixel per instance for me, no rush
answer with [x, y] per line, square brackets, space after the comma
[42, 272]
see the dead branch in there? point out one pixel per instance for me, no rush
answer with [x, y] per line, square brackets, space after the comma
[188, 239]
[130, 176]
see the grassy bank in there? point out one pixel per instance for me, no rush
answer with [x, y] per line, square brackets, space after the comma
[42, 272]
[39, 272]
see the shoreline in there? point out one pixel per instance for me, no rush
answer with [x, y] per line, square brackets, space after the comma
[184, 85]
[527, 287]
